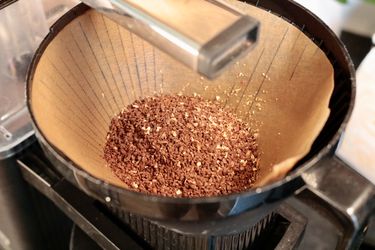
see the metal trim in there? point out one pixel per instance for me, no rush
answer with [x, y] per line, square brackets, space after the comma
[243, 33]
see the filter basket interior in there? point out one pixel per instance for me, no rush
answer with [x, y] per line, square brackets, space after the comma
[93, 68]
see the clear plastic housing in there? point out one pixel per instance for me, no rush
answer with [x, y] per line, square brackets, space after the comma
[22, 28]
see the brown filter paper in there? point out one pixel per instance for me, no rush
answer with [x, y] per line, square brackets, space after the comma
[93, 68]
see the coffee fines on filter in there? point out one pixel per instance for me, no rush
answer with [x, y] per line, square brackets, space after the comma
[181, 146]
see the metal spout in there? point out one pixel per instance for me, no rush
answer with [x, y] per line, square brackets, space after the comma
[205, 35]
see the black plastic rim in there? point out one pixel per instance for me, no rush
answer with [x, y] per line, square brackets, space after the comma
[302, 19]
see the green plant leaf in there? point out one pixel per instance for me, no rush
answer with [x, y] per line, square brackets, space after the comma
[346, 1]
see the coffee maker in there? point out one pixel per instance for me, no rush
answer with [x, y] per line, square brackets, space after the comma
[322, 182]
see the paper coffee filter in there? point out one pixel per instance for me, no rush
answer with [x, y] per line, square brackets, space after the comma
[93, 68]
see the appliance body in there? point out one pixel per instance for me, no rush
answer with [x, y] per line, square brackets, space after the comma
[18, 230]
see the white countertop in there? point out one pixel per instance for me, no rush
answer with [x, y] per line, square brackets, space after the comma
[357, 146]
[356, 16]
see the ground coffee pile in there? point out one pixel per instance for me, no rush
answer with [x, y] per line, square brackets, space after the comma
[181, 146]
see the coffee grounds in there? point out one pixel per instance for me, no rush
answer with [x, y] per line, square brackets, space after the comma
[181, 146]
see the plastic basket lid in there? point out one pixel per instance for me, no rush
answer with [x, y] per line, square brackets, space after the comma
[18, 39]
[15, 122]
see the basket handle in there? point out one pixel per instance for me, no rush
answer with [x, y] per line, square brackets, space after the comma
[341, 195]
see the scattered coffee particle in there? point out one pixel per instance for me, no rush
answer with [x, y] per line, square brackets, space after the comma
[181, 146]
